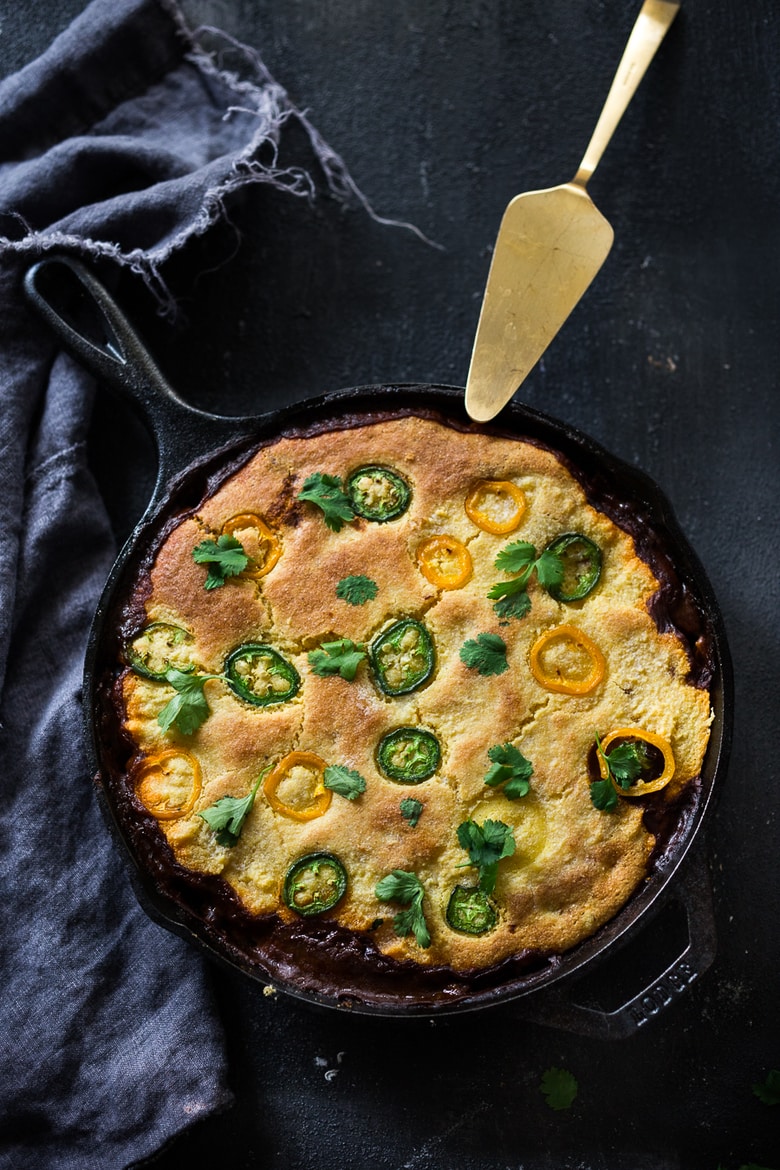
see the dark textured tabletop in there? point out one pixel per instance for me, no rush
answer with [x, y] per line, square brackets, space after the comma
[443, 111]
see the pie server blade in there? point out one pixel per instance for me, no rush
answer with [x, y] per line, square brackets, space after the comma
[550, 246]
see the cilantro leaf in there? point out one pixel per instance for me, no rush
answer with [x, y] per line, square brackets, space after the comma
[486, 654]
[508, 588]
[516, 606]
[341, 657]
[356, 590]
[407, 889]
[511, 597]
[624, 765]
[344, 781]
[626, 762]
[486, 845]
[326, 492]
[224, 556]
[410, 810]
[188, 708]
[559, 1088]
[510, 768]
[515, 557]
[768, 1090]
[603, 795]
[227, 815]
[549, 569]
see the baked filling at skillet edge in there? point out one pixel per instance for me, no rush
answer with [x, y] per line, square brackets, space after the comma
[385, 753]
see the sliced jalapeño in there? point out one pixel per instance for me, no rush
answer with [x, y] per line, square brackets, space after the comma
[402, 657]
[471, 911]
[581, 560]
[377, 493]
[314, 883]
[408, 755]
[157, 648]
[260, 675]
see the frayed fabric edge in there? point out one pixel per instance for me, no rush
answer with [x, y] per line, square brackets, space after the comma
[270, 103]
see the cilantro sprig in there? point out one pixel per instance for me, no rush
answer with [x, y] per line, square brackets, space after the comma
[356, 590]
[486, 654]
[510, 768]
[227, 815]
[486, 845]
[407, 889]
[624, 765]
[559, 1088]
[225, 557]
[768, 1090]
[328, 494]
[344, 781]
[342, 656]
[511, 597]
[411, 808]
[188, 708]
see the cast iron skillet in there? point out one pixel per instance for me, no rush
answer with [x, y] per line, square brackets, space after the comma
[196, 450]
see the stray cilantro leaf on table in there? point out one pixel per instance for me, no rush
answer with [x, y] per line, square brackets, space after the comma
[486, 654]
[411, 810]
[227, 815]
[356, 590]
[344, 781]
[341, 657]
[188, 708]
[511, 597]
[510, 768]
[559, 1088]
[327, 493]
[768, 1090]
[225, 557]
[486, 845]
[407, 889]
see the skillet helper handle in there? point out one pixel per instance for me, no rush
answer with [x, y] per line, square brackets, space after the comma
[560, 1009]
[94, 330]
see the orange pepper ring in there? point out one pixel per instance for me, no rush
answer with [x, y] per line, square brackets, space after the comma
[571, 686]
[498, 487]
[322, 795]
[641, 788]
[426, 559]
[252, 520]
[150, 763]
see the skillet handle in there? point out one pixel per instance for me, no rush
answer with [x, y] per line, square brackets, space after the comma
[560, 1007]
[94, 330]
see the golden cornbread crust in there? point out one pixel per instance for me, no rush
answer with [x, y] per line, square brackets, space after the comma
[574, 865]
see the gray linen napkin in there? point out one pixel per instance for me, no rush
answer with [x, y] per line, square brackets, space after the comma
[119, 143]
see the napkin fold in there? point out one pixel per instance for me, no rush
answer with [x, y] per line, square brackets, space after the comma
[124, 141]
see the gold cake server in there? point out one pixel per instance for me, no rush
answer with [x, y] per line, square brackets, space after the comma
[550, 246]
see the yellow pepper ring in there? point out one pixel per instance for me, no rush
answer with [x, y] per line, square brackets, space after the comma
[479, 498]
[445, 562]
[156, 764]
[640, 788]
[568, 686]
[267, 540]
[321, 798]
